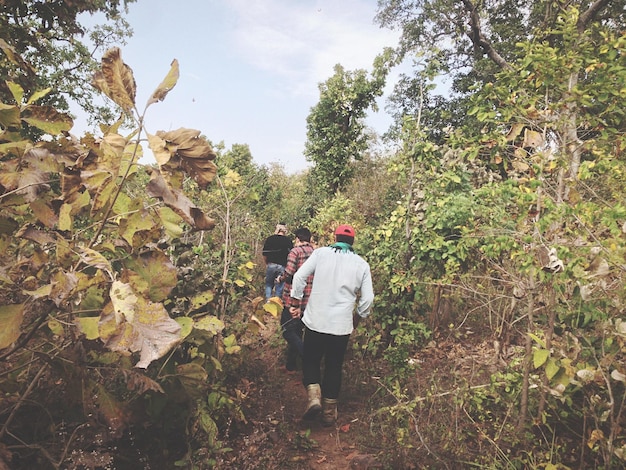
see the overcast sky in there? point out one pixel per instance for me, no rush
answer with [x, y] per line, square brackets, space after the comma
[249, 69]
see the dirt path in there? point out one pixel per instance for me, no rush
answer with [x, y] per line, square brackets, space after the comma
[276, 436]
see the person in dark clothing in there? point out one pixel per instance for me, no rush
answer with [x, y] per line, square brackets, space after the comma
[275, 251]
[292, 326]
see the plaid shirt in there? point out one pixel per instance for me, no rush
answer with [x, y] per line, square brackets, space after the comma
[296, 258]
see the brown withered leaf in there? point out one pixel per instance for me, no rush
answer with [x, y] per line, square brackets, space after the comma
[71, 184]
[112, 146]
[44, 213]
[63, 285]
[166, 85]
[11, 317]
[24, 180]
[161, 153]
[178, 202]
[532, 138]
[16, 58]
[138, 382]
[135, 324]
[515, 130]
[30, 232]
[191, 153]
[116, 80]
[103, 195]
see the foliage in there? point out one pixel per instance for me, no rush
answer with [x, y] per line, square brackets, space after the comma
[335, 127]
[521, 226]
[87, 280]
[45, 45]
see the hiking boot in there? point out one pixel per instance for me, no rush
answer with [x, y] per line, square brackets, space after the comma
[313, 407]
[329, 411]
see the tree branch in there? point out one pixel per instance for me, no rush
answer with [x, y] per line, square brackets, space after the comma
[481, 43]
[588, 16]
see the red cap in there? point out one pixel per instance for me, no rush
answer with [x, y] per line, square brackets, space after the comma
[346, 230]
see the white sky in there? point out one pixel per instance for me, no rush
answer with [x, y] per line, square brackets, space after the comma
[249, 69]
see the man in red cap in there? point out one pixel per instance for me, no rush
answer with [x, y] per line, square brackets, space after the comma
[341, 281]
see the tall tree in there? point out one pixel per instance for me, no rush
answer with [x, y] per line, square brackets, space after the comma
[45, 45]
[478, 39]
[336, 133]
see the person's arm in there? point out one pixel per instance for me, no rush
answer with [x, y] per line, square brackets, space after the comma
[290, 267]
[367, 295]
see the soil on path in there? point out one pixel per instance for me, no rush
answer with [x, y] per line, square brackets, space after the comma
[276, 436]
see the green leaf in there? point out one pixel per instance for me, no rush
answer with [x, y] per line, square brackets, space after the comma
[89, 327]
[17, 91]
[186, 325]
[540, 356]
[538, 340]
[210, 323]
[274, 306]
[166, 85]
[172, 222]
[38, 95]
[200, 300]
[47, 119]
[56, 327]
[551, 368]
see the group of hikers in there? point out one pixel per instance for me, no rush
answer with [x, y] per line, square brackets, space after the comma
[325, 292]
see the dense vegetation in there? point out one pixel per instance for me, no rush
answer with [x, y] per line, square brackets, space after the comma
[129, 293]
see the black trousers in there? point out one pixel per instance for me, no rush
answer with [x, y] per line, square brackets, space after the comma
[332, 350]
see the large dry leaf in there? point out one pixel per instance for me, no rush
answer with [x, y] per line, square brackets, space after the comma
[515, 130]
[191, 153]
[112, 146]
[103, 196]
[23, 179]
[166, 85]
[30, 232]
[159, 148]
[71, 184]
[94, 258]
[171, 222]
[16, 57]
[11, 317]
[116, 80]
[149, 330]
[178, 202]
[44, 213]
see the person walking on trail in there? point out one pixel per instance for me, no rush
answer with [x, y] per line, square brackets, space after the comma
[292, 326]
[275, 251]
[341, 281]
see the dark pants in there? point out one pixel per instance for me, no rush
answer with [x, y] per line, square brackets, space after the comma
[330, 348]
[292, 332]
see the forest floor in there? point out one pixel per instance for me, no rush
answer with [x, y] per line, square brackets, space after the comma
[275, 436]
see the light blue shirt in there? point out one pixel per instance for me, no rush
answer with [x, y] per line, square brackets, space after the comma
[341, 281]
